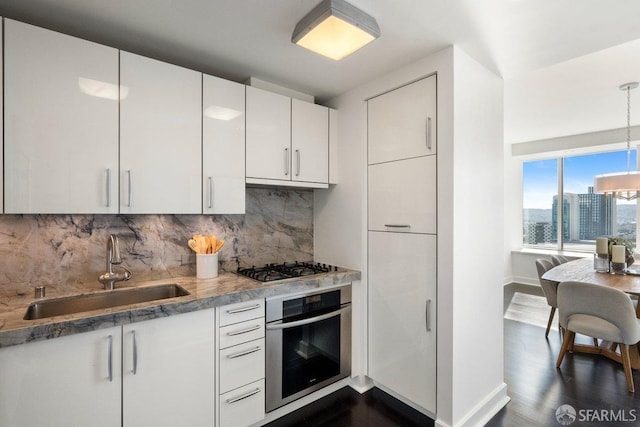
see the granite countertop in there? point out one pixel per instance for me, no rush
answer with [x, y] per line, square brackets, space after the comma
[225, 289]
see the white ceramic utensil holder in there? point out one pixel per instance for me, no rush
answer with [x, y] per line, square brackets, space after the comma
[206, 266]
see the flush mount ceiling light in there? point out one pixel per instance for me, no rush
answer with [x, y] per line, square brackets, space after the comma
[622, 185]
[335, 29]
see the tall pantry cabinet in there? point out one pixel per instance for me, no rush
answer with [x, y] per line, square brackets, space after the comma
[402, 241]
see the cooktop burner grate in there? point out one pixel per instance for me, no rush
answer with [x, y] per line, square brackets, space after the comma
[271, 272]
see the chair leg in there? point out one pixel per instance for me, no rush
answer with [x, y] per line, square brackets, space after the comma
[553, 312]
[626, 363]
[567, 343]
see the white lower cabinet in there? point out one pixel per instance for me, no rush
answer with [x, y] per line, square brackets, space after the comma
[67, 381]
[168, 371]
[243, 406]
[402, 314]
[241, 364]
[88, 379]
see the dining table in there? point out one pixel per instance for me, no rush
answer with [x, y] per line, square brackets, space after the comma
[582, 270]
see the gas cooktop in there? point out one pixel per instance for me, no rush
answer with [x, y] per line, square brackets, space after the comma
[287, 270]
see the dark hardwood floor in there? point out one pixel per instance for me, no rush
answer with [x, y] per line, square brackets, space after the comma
[536, 387]
[348, 408]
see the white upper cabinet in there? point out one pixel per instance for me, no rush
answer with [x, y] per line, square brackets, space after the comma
[223, 146]
[61, 123]
[287, 141]
[268, 135]
[309, 142]
[402, 123]
[160, 137]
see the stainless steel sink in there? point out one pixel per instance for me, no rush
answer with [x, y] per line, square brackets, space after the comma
[97, 301]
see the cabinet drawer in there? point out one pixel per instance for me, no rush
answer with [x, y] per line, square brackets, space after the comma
[239, 333]
[241, 311]
[241, 364]
[243, 406]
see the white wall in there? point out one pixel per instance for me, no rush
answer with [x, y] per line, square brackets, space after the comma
[469, 302]
[478, 189]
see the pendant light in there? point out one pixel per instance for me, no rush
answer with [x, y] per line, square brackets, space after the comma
[335, 29]
[622, 185]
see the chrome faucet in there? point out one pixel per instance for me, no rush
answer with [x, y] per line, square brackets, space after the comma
[110, 278]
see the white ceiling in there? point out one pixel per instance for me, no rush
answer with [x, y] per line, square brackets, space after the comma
[522, 40]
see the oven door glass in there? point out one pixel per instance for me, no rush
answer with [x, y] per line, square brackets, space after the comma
[310, 354]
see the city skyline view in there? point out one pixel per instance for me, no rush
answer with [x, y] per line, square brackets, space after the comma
[586, 215]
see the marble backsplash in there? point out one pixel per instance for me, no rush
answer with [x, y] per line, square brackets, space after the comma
[55, 250]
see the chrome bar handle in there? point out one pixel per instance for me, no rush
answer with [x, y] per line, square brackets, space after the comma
[428, 313]
[108, 187]
[135, 353]
[286, 161]
[276, 326]
[244, 396]
[398, 225]
[241, 309]
[129, 180]
[297, 162]
[210, 192]
[429, 133]
[243, 331]
[110, 358]
[244, 352]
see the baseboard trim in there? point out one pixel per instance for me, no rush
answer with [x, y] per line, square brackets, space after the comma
[484, 410]
[361, 384]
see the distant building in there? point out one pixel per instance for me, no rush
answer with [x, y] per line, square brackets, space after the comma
[538, 232]
[597, 215]
[570, 217]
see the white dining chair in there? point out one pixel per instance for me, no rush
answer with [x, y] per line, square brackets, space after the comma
[600, 312]
[550, 289]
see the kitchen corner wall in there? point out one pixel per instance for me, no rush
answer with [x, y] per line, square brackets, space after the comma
[69, 250]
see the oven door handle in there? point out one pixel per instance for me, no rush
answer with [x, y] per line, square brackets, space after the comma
[275, 326]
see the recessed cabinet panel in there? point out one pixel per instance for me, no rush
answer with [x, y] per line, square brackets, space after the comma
[67, 381]
[309, 142]
[223, 146]
[61, 123]
[402, 123]
[402, 196]
[402, 314]
[160, 137]
[268, 135]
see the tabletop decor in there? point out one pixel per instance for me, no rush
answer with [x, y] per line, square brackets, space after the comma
[601, 256]
[628, 251]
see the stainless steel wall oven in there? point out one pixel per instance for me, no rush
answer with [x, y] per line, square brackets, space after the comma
[308, 343]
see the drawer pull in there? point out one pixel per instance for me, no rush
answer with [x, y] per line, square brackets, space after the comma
[244, 396]
[244, 352]
[244, 331]
[241, 309]
[398, 225]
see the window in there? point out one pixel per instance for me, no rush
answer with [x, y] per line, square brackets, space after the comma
[574, 220]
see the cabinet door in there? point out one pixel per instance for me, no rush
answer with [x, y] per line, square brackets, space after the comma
[402, 123]
[402, 314]
[223, 157]
[61, 123]
[160, 137]
[67, 381]
[168, 371]
[402, 195]
[309, 142]
[268, 135]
